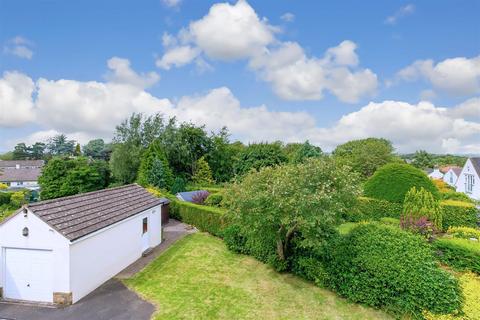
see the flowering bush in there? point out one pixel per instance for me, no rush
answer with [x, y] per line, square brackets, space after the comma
[200, 196]
[419, 226]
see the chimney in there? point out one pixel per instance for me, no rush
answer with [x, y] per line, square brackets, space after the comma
[17, 166]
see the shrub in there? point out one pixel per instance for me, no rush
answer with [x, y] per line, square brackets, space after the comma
[442, 186]
[374, 209]
[199, 197]
[209, 188]
[464, 232]
[18, 199]
[460, 254]
[392, 181]
[390, 221]
[204, 218]
[420, 203]
[383, 266]
[5, 198]
[458, 213]
[179, 185]
[234, 239]
[420, 226]
[470, 284]
[214, 200]
[154, 168]
[452, 195]
[202, 173]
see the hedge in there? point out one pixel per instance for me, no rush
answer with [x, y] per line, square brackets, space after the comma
[460, 254]
[374, 209]
[459, 214]
[5, 197]
[464, 232]
[204, 218]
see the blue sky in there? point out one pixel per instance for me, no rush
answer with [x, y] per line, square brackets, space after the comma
[54, 53]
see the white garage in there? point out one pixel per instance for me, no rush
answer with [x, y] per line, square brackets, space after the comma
[58, 251]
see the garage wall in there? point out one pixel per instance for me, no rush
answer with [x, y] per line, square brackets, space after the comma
[40, 237]
[97, 258]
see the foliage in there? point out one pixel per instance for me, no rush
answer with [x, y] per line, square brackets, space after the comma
[259, 155]
[422, 160]
[305, 151]
[179, 185]
[18, 199]
[453, 195]
[365, 156]
[124, 162]
[63, 177]
[461, 254]
[214, 200]
[24, 152]
[458, 213]
[222, 155]
[97, 149]
[202, 173]
[59, 145]
[210, 188]
[3, 186]
[374, 209]
[154, 169]
[345, 228]
[464, 232]
[234, 239]
[204, 218]
[5, 197]
[470, 284]
[419, 203]
[296, 203]
[390, 221]
[418, 225]
[7, 156]
[383, 266]
[198, 278]
[199, 197]
[392, 181]
[139, 130]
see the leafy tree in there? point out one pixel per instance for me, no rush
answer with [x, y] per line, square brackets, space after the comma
[305, 151]
[139, 130]
[202, 174]
[97, 149]
[420, 203]
[179, 185]
[124, 162]
[18, 199]
[221, 156]
[7, 156]
[259, 155]
[154, 169]
[78, 150]
[60, 146]
[3, 186]
[64, 176]
[37, 151]
[422, 159]
[20, 152]
[299, 204]
[365, 156]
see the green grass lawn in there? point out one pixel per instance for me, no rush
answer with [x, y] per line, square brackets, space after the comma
[198, 278]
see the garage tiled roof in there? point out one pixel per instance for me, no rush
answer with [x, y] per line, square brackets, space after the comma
[22, 174]
[79, 215]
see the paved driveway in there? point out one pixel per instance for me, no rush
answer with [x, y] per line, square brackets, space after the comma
[111, 301]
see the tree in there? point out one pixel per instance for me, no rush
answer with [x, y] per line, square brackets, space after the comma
[18, 199]
[422, 160]
[365, 156]
[259, 155]
[124, 162]
[65, 176]
[299, 204]
[60, 146]
[305, 151]
[78, 150]
[202, 174]
[139, 130]
[37, 151]
[154, 169]
[420, 203]
[97, 149]
[221, 156]
[20, 152]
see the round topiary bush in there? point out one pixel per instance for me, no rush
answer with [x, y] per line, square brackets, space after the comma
[392, 181]
[385, 267]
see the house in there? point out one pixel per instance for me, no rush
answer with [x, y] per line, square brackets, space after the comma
[57, 251]
[21, 174]
[435, 174]
[469, 179]
[451, 175]
[188, 195]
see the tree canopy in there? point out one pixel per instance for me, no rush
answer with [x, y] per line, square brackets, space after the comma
[259, 155]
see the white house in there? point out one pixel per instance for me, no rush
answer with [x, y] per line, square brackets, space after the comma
[469, 179]
[21, 174]
[436, 174]
[58, 251]
[450, 177]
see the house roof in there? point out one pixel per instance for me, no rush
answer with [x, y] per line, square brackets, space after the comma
[22, 174]
[188, 195]
[476, 164]
[77, 216]
[22, 163]
[456, 170]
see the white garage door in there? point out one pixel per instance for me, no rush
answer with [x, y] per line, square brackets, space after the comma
[29, 275]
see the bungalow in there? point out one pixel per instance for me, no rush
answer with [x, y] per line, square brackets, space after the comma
[451, 175]
[57, 251]
[469, 178]
[435, 174]
[21, 174]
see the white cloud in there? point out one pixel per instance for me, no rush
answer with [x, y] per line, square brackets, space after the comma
[122, 73]
[458, 76]
[469, 110]
[288, 17]
[171, 3]
[235, 31]
[16, 106]
[402, 12]
[20, 47]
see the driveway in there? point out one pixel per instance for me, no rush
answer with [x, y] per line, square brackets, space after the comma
[112, 300]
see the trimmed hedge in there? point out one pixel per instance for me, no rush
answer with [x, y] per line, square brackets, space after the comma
[459, 214]
[204, 218]
[214, 200]
[460, 254]
[374, 209]
[464, 232]
[5, 197]
[384, 266]
[392, 181]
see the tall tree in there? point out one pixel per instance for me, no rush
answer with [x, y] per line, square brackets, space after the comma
[96, 149]
[59, 145]
[422, 159]
[221, 156]
[304, 152]
[37, 151]
[202, 174]
[124, 162]
[154, 169]
[259, 155]
[365, 156]
[21, 152]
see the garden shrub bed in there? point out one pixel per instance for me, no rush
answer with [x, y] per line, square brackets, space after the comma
[459, 214]
[374, 209]
[204, 218]
[460, 254]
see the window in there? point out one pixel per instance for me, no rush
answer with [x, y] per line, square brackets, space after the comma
[469, 183]
[451, 178]
[145, 225]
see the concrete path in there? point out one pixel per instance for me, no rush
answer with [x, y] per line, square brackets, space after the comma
[172, 231]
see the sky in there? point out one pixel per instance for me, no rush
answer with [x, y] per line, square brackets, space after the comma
[323, 71]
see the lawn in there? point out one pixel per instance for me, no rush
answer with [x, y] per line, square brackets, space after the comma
[198, 278]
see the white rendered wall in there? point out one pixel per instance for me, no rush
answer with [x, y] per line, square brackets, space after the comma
[460, 185]
[41, 236]
[450, 177]
[97, 258]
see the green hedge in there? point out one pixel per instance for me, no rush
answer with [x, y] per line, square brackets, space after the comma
[5, 197]
[459, 214]
[460, 254]
[374, 209]
[210, 189]
[204, 218]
